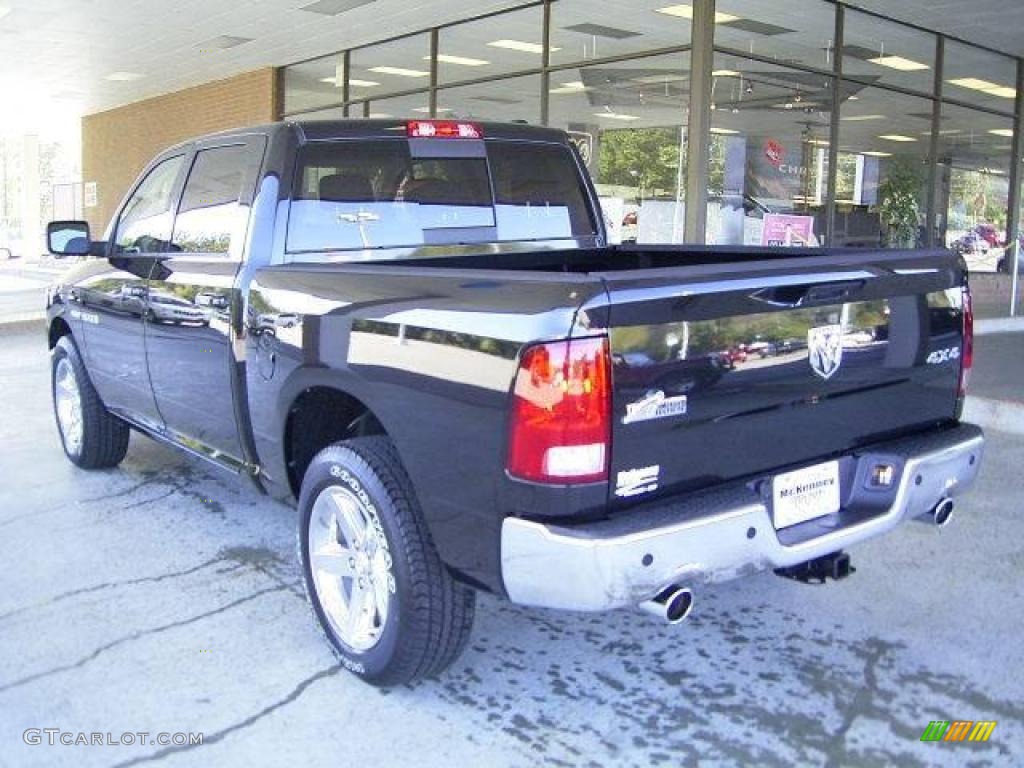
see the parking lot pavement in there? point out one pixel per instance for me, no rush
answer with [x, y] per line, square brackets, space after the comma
[998, 371]
[165, 597]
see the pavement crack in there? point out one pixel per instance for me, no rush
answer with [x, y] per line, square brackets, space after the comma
[115, 584]
[220, 735]
[861, 704]
[153, 500]
[134, 636]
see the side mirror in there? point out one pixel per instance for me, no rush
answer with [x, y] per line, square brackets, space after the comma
[68, 238]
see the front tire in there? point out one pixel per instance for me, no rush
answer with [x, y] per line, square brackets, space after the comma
[386, 603]
[92, 437]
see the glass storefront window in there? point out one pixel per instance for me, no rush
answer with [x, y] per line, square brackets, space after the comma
[792, 31]
[973, 184]
[584, 30]
[517, 98]
[767, 177]
[332, 113]
[882, 169]
[1013, 264]
[628, 120]
[494, 45]
[392, 67]
[312, 84]
[978, 77]
[885, 52]
[409, 105]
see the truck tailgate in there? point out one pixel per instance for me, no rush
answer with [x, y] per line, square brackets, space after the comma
[729, 370]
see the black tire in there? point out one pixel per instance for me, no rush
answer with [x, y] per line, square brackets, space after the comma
[430, 615]
[104, 436]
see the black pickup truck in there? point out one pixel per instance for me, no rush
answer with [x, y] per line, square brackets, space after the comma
[418, 330]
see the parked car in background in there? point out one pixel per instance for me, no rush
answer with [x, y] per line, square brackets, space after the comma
[989, 234]
[970, 243]
[783, 347]
[167, 308]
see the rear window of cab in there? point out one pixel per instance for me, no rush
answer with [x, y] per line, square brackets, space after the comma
[389, 193]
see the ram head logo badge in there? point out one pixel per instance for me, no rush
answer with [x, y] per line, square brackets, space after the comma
[825, 349]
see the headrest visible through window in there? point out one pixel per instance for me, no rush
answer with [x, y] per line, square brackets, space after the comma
[346, 188]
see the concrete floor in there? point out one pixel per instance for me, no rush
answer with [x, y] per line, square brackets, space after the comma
[163, 596]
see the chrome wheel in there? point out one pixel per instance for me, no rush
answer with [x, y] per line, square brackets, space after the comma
[351, 567]
[68, 404]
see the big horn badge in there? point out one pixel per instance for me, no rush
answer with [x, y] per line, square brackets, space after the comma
[825, 349]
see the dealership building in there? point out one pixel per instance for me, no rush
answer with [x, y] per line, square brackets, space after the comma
[790, 122]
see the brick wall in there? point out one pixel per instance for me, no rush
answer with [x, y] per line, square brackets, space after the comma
[117, 144]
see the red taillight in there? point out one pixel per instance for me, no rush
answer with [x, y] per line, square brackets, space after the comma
[443, 129]
[967, 351]
[561, 413]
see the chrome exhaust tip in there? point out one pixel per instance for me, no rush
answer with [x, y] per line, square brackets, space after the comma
[673, 604]
[942, 513]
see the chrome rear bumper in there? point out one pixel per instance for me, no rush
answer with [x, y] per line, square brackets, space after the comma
[714, 535]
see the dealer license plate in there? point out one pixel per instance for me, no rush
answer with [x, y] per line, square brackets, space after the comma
[805, 494]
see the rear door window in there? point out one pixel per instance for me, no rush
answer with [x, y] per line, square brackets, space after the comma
[209, 216]
[376, 194]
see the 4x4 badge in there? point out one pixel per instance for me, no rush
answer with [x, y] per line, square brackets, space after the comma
[825, 349]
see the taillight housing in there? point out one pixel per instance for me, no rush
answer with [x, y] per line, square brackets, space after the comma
[443, 129]
[560, 429]
[967, 349]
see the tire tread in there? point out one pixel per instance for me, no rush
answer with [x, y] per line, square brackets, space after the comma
[105, 437]
[440, 616]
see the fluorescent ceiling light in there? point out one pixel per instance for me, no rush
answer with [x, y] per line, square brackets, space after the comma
[854, 98]
[426, 110]
[1008, 132]
[874, 153]
[521, 46]
[660, 78]
[686, 12]
[222, 42]
[974, 83]
[818, 142]
[356, 83]
[378, 115]
[724, 131]
[333, 7]
[400, 71]
[575, 86]
[897, 137]
[899, 62]
[465, 61]
[725, 73]
[985, 86]
[861, 118]
[123, 77]
[1003, 92]
[615, 116]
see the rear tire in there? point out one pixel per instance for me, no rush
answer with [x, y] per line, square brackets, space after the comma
[92, 437]
[381, 595]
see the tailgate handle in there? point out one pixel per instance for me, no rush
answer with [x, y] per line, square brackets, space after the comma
[804, 295]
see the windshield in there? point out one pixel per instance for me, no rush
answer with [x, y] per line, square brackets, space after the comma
[377, 194]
